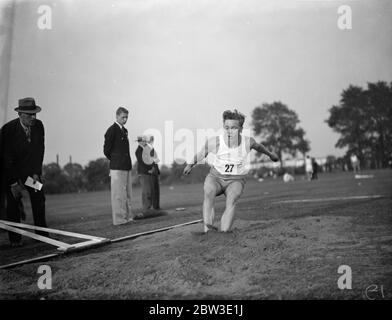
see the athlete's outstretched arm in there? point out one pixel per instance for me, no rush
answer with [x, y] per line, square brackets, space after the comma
[209, 146]
[261, 148]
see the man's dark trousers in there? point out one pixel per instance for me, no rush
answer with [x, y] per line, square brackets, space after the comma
[37, 199]
[155, 191]
[146, 182]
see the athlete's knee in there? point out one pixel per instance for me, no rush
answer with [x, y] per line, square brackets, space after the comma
[233, 196]
[209, 193]
[209, 190]
[232, 200]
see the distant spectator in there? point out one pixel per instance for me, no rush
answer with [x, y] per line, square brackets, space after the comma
[314, 169]
[355, 163]
[308, 168]
[287, 177]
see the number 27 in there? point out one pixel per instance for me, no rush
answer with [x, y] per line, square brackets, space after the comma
[229, 167]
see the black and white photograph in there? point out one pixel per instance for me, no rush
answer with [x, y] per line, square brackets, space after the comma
[210, 152]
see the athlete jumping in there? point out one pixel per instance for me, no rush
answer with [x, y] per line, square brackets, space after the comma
[228, 170]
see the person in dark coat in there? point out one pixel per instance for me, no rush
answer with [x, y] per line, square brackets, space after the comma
[155, 188]
[23, 143]
[116, 149]
[2, 180]
[3, 189]
[144, 170]
[314, 169]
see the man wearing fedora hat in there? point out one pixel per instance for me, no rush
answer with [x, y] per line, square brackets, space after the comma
[23, 154]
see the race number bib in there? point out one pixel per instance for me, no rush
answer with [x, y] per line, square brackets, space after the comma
[230, 168]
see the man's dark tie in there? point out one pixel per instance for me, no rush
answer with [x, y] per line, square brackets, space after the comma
[28, 133]
[125, 131]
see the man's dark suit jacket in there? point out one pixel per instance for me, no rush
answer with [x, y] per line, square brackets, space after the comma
[22, 158]
[116, 148]
[2, 179]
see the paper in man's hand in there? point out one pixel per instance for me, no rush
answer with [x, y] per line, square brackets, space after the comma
[35, 185]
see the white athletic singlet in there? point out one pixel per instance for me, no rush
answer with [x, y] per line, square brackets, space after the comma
[231, 163]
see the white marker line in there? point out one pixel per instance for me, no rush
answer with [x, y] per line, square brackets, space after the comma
[56, 231]
[107, 241]
[144, 233]
[330, 199]
[42, 258]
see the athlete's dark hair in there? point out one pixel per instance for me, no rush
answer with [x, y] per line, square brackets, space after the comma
[121, 110]
[234, 115]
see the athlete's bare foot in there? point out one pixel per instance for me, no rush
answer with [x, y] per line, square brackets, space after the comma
[211, 227]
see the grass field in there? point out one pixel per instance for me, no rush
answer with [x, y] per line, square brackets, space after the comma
[279, 249]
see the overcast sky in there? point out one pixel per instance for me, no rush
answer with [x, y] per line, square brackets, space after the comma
[187, 61]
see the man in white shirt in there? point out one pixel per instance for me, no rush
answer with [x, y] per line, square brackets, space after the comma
[355, 163]
[308, 168]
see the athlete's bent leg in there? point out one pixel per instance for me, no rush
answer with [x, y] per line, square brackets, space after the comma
[233, 193]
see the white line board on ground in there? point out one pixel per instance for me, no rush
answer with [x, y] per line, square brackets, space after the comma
[61, 246]
[330, 199]
[92, 242]
[56, 231]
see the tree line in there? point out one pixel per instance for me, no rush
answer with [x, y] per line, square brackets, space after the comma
[363, 119]
[73, 177]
